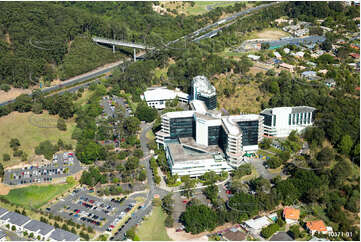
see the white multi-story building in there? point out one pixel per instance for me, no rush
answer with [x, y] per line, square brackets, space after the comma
[279, 122]
[202, 140]
[158, 96]
[203, 90]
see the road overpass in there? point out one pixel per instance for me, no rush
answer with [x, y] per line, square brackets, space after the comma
[114, 43]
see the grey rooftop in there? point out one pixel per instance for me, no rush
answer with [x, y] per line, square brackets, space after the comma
[15, 218]
[40, 227]
[62, 235]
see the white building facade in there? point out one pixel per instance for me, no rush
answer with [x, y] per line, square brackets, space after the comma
[157, 97]
[279, 122]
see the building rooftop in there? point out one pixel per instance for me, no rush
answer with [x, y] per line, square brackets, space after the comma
[230, 122]
[291, 213]
[281, 236]
[179, 114]
[61, 235]
[15, 218]
[199, 106]
[191, 143]
[3, 211]
[40, 227]
[179, 154]
[162, 93]
[234, 236]
[258, 223]
[203, 86]
[317, 225]
[297, 109]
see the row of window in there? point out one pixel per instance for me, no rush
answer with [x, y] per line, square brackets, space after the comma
[299, 118]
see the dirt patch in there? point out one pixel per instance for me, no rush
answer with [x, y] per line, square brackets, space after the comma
[179, 236]
[12, 93]
[4, 189]
[7, 38]
[273, 34]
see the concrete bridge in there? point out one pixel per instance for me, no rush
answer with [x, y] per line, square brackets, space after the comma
[122, 43]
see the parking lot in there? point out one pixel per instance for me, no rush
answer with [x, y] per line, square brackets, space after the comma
[108, 104]
[100, 214]
[62, 165]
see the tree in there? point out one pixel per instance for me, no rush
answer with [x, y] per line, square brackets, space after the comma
[5, 87]
[274, 162]
[47, 149]
[346, 144]
[1, 171]
[131, 124]
[295, 231]
[167, 203]
[169, 221]
[23, 103]
[13, 228]
[6, 157]
[269, 230]
[145, 113]
[14, 143]
[265, 143]
[211, 192]
[61, 125]
[325, 156]
[199, 218]
[37, 108]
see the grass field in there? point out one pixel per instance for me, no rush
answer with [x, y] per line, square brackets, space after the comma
[153, 227]
[150, 135]
[17, 125]
[35, 196]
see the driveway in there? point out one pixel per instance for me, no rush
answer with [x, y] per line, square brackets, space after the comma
[261, 170]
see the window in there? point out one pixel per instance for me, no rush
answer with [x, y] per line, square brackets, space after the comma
[289, 119]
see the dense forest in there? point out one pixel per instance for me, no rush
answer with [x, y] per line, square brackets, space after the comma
[43, 41]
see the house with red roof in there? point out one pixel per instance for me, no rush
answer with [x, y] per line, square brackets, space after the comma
[317, 226]
[291, 215]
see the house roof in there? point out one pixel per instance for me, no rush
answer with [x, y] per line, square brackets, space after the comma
[15, 218]
[3, 211]
[355, 55]
[258, 223]
[40, 227]
[2, 234]
[234, 236]
[281, 236]
[61, 235]
[291, 213]
[317, 225]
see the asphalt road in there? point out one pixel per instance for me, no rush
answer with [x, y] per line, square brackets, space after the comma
[153, 190]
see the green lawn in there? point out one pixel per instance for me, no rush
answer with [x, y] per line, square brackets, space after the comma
[150, 135]
[153, 227]
[200, 7]
[35, 196]
[17, 125]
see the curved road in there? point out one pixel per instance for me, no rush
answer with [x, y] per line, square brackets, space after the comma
[153, 189]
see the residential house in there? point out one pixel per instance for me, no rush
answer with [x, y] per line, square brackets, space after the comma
[277, 54]
[298, 54]
[257, 224]
[310, 63]
[291, 215]
[317, 226]
[62, 235]
[355, 55]
[287, 67]
[310, 75]
[330, 83]
[39, 229]
[324, 71]
[2, 235]
[254, 57]
[234, 235]
[15, 219]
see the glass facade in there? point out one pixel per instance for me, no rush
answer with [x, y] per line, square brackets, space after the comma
[223, 141]
[211, 102]
[267, 119]
[182, 127]
[249, 132]
[214, 135]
